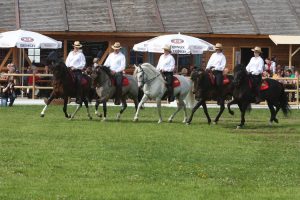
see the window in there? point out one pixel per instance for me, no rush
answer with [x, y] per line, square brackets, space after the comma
[34, 55]
[136, 57]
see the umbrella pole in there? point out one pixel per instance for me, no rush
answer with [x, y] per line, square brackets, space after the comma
[177, 61]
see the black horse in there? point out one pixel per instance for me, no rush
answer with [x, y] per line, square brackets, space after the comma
[205, 89]
[64, 85]
[272, 91]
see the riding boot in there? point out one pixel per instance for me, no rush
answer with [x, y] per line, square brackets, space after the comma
[118, 96]
[171, 94]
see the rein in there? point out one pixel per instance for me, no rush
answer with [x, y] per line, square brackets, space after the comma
[149, 81]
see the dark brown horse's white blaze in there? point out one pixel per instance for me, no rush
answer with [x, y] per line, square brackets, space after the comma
[105, 89]
[205, 90]
[243, 95]
[64, 86]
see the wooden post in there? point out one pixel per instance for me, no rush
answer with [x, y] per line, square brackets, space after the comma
[290, 55]
[65, 49]
[33, 85]
[6, 58]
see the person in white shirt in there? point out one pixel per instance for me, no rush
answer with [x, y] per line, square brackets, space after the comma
[76, 62]
[116, 62]
[166, 65]
[217, 63]
[255, 68]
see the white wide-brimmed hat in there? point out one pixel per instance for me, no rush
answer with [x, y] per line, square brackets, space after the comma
[218, 46]
[256, 49]
[77, 44]
[167, 47]
[117, 45]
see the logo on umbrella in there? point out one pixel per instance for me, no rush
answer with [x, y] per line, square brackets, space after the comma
[27, 39]
[177, 41]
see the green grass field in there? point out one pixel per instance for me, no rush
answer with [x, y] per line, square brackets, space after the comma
[54, 158]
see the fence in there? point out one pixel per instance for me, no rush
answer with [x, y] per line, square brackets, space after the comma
[293, 91]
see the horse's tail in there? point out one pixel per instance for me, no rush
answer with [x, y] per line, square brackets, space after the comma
[190, 98]
[284, 102]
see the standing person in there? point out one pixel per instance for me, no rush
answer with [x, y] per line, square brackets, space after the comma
[116, 62]
[166, 66]
[217, 63]
[255, 68]
[76, 62]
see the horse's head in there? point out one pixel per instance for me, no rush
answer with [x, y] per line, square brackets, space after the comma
[199, 79]
[239, 74]
[100, 75]
[139, 73]
[56, 66]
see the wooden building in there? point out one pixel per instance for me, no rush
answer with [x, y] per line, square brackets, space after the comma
[238, 24]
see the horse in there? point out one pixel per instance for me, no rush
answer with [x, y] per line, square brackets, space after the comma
[272, 91]
[105, 89]
[153, 85]
[205, 89]
[63, 83]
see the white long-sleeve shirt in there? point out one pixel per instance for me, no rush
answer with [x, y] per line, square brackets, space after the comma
[217, 60]
[76, 60]
[166, 63]
[116, 62]
[255, 66]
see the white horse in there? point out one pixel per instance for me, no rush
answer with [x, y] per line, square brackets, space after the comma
[153, 85]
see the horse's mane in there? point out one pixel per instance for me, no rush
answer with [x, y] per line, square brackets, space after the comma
[151, 68]
[106, 70]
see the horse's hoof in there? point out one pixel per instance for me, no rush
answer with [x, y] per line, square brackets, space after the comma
[118, 117]
[136, 119]
[184, 121]
[276, 121]
[170, 120]
[159, 121]
[90, 118]
[209, 123]
[42, 115]
[104, 119]
[231, 112]
[239, 126]
[215, 123]
[188, 123]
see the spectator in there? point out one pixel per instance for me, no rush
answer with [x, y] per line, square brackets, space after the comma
[34, 71]
[8, 93]
[278, 74]
[270, 67]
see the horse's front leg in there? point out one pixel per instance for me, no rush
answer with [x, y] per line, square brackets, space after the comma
[48, 101]
[104, 107]
[242, 107]
[206, 112]
[77, 109]
[234, 101]
[123, 108]
[136, 116]
[65, 107]
[272, 111]
[97, 107]
[86, 103]
[222, 107]
[198, 104]
[158, 103]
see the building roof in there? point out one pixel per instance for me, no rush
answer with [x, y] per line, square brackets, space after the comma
[189, 16]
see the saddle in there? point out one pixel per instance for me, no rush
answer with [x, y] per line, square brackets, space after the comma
[264, 85]
[83, 81]
[176, 82]
[212, 79]
[125, 81]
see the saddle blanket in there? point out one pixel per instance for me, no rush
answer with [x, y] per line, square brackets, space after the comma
[125, 81]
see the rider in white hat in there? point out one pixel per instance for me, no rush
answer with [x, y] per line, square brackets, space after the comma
[116, 62]
[255, 68]
[217, 63]
[166, 66]
[76, 62]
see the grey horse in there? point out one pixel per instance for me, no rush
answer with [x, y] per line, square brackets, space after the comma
[105, 89]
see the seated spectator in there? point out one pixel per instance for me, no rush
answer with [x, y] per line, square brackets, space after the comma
[270, 67]
[265, 74]
[184, 71]
[278, 74]
[8, 93]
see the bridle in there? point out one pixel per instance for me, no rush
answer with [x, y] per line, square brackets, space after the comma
[145, 79]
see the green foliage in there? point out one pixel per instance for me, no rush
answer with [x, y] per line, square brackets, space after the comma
[54, 158]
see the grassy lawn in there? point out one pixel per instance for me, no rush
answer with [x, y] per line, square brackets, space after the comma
[54, 158]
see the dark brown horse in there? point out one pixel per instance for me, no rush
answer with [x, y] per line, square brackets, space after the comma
[243, 95]
[205, 89]
[64, 85]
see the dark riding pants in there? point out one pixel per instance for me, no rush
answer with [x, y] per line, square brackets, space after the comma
[169, 79]
[256, 80]
[118, 78]
[219, 83]
[78, 76]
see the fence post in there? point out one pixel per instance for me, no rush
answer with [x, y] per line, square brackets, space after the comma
[297, 86]
[33, 85]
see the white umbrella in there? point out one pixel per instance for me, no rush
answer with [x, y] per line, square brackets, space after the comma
[180, 44]
[27, 39]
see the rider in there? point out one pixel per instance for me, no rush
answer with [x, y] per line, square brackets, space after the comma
[76, 62]
[116, 62]
[217, 63]
[166, 66]
[255, 69]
